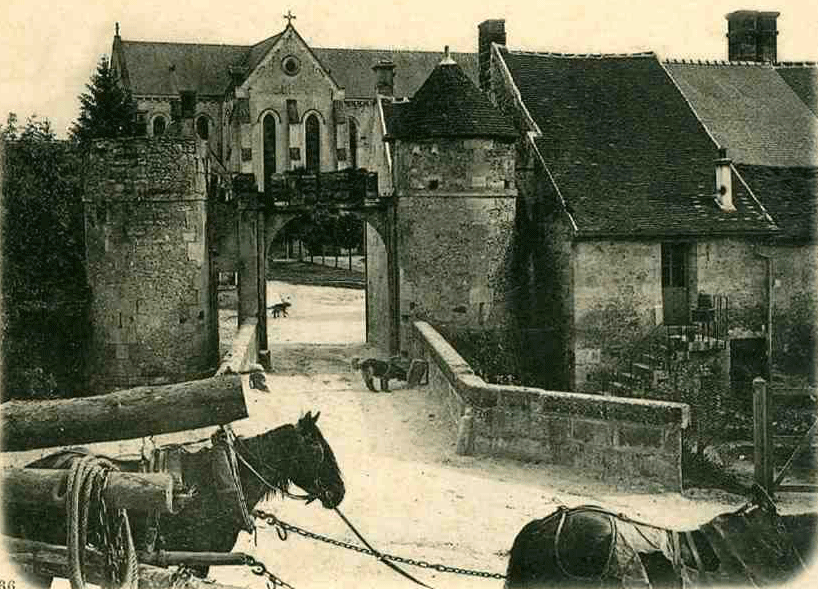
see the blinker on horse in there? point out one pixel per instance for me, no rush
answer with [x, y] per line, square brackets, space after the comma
[269, 463]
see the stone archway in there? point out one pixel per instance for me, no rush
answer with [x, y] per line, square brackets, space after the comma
[381, 311]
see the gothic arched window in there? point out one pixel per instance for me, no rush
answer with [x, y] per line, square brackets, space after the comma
[203, 127]
[353, 144]
[312, 131]
[269, 138]
[159, 126]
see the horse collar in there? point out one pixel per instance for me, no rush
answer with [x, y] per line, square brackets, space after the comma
[226, 475]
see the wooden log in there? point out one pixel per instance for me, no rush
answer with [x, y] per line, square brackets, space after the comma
[122, 415]
[51, 560]
[164, 558]
[127, 490]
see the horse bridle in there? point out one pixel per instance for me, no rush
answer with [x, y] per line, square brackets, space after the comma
[309, 497]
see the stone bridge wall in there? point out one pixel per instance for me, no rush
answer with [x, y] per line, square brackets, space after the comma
[618, 439]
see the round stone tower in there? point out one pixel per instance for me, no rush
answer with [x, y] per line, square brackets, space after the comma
[453, 174]
[154, 317]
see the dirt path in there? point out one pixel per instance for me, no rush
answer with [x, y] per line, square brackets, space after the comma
[407, 491]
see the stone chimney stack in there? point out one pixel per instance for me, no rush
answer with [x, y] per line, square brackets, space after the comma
[752, 36]
[488, 32]
[724, 182]
[384, 77]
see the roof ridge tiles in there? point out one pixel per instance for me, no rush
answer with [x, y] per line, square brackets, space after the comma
[582, 55]
[796, 64]
[188, 43]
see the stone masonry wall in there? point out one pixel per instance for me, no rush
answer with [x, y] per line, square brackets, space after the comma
[377, 291]
[455, 225]
[620, 440]
[617, 297]
[148, 263]
[731, 267]
[795, 300]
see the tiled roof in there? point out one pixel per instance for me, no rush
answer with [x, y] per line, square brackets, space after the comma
[205, 68]
[790, 195]
[353, 68]
[450, 105]
[258, 51]
[392, 114]
[803, 79]
[626, 152]
[751, 111]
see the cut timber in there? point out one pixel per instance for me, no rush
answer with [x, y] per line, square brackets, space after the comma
[128, 490]
[121, 415]
[50, 560]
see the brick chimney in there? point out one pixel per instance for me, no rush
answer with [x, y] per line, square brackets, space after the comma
[488, 32]
[724, 182]
[384, 77]
[752, 36]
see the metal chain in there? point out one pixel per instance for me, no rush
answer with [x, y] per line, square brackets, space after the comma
[258, 568]
[283, 527]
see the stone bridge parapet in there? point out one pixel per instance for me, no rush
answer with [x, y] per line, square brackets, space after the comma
[620, 440]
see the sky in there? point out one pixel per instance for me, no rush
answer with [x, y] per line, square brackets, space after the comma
[50, 50]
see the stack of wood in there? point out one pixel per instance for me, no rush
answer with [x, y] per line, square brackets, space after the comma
[121, 415]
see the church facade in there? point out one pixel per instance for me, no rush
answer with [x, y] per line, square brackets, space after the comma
[276, 106]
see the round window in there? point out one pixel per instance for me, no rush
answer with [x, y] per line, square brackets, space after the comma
[290, 65]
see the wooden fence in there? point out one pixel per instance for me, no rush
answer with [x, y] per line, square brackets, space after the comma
[764, 438]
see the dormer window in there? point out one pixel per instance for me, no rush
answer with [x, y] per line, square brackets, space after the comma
[291, 65]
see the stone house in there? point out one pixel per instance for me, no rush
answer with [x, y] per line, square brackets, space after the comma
[629, 209]
[615, 211]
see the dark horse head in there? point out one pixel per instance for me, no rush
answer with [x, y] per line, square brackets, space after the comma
[315, 469]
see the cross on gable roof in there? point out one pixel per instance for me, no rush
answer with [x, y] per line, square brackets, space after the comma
[206, 67]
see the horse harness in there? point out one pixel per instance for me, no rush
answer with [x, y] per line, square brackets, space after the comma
[225, 470]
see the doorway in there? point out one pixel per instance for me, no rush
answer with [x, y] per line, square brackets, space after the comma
[676, 276]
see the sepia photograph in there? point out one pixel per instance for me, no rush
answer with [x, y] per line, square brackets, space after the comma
[511, 295]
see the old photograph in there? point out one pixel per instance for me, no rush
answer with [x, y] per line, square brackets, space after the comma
[439, 294]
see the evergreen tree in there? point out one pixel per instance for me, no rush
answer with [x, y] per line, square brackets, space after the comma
[107, 109]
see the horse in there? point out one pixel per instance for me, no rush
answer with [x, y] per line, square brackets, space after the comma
[588, 546]
[267, 464]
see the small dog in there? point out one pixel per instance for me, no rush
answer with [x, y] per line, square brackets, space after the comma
[382, 369]
[280, 308]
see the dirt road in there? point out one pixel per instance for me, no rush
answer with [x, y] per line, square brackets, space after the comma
[407, 491]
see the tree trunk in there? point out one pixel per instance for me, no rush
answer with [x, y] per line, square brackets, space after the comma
[51, 560]
[128, 490]
[131, 413]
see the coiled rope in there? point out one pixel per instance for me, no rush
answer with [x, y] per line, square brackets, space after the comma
[86, 477]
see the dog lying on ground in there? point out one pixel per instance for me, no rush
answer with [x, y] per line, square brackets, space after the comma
[394, 368]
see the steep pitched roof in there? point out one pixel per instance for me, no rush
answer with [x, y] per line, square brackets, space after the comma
[803, 79]
[393, 113]
[450, 105]
[752, 111]
[353, 68]
[205, 68]
[790, 195]
[624, 149]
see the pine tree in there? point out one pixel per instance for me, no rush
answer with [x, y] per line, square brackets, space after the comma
[107, 109]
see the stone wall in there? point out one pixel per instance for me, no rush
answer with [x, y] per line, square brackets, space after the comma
[617, 439]
[617, 298]
[795, 304]
[732, 267]
[148, 263]
[377, 291]
[456, 206]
